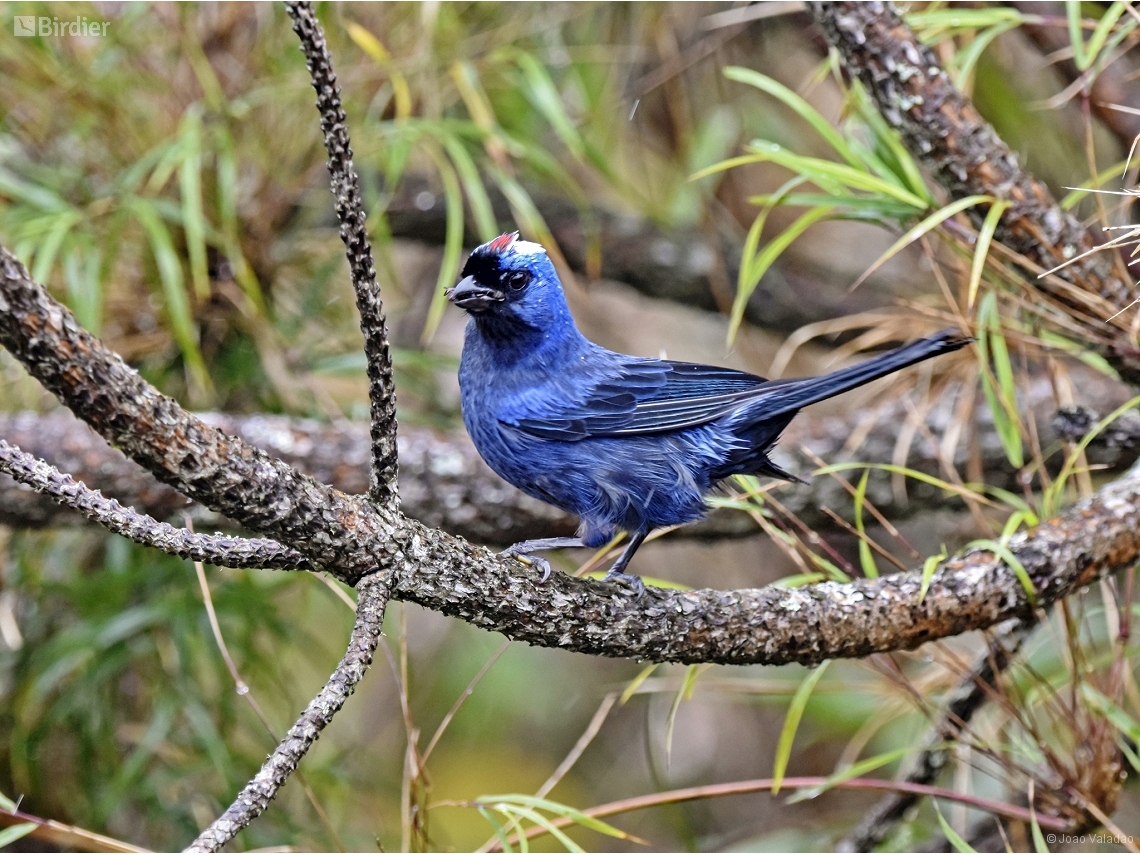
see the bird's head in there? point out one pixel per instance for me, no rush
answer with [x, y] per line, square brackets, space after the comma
[509, 287]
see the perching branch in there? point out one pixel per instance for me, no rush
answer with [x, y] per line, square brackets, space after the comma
[353, 231]
[350, 538]
[971, 694]
[212, 549]
[944, 131]
[371, 598]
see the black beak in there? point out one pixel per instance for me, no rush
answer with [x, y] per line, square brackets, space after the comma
[472, 296]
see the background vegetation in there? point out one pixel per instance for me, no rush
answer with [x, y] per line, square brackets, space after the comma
[168, 183]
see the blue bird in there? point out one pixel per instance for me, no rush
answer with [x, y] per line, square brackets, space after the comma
[624, 442]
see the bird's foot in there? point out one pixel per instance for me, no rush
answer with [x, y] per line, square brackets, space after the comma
[529, 560]
[628, 580]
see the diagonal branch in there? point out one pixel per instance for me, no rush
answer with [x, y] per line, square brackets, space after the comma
[944, 131]
[353, 231]
[251, 802]
[265, 495]
[219, 550]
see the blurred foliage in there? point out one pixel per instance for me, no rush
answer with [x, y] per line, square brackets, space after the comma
[168, 183]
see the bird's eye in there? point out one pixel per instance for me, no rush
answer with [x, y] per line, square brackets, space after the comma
[517, 279]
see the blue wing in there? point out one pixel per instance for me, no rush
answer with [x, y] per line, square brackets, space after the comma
[641, 396]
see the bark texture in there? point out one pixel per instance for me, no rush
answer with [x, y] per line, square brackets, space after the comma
[354, 233]
[945, 132]
[226, 474]
[212, 549]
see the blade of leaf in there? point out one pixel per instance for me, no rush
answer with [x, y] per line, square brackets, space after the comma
[636, 682]
[190, 189]
[926, 225]
[1012, 561]
[12, 833]
[952, 836]
[866, 558]
[767, 256]
[985, 237]
[791, 725]
[797, 104]
[452, 246]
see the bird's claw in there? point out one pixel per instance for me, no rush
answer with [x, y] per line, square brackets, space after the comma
[530, 561]
[629, 581]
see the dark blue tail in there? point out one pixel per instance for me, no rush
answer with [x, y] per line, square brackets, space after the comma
[787, 396]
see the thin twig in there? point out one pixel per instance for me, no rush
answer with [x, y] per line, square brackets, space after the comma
[1050, 823]
[372, 596]
[243, 689]
[969, 697]
[354, 233]
[213, 549]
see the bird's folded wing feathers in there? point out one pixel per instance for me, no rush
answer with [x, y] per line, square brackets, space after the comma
[636, 396]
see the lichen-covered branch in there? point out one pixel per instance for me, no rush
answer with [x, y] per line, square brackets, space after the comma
[212, 549]
[353, 231]
[270, 498]
[371, 599]
[350, 537]
[944, 131]
[775, 625]
[969, 697]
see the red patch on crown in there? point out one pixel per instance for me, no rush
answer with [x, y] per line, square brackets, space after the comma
[503, 242]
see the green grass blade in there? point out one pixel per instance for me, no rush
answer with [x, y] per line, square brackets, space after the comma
[982, 249]
[500, 832]
[636, 682]
[791, 725]
[952, 836]
[548, 826]
[866, 558]
[855, 770]
[481, 211]
[173, 288]
[1106, 707]
[822, 171]
[84, 291]
[1003, 552]
[543, 94]
[190, 189]
[48, 249]
[928, 568]
[759, 265]
[12, 833]
[452, 246]
[798, 105]
[928, 224]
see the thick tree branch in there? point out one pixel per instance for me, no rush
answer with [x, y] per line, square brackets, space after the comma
[350, 537]
[212, 549]
[969, 697]
[778, 625]
[945, 132]
[354, 233]
[268, 497]
[371, 598]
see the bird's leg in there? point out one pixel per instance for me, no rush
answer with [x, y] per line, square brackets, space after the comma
[617, 572]
[524, 551]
